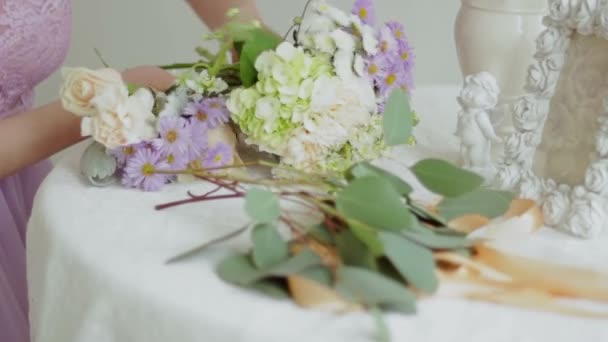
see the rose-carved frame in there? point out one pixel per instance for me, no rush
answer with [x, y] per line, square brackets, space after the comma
[579, 209]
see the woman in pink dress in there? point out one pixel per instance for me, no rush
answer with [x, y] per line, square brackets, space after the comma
[34, 37]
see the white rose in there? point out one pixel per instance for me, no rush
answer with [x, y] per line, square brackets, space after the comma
[602, 23]
[552, 40]
[508, 176]
[585, 16]
[587, 214]
[596, 177]
[80, 86]
[555, 207]
[601, 139]
[528, 113]
[303, 151]
[121, 121]
[561, 10]
[531, 187]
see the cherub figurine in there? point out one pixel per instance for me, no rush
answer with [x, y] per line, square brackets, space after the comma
[478, 98]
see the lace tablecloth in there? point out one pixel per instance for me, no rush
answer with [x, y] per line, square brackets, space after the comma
[97, 269]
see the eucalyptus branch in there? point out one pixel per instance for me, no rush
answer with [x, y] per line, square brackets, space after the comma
[197, 250]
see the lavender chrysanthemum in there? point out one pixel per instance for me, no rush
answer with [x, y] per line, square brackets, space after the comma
[365, 10]
[209, 112]
[141, 171]
[218, 156]
[377, 67]
[174, 136]
[398, 31]
[176, 162]
[387, 42]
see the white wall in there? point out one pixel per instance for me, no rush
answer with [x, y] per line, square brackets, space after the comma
[132, 32]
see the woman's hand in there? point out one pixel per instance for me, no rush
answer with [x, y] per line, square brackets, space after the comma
[149, 76]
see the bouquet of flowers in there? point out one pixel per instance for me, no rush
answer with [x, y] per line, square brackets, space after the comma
[334, 94]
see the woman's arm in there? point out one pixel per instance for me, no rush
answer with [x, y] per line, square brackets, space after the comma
[213, 12]
[29, 137]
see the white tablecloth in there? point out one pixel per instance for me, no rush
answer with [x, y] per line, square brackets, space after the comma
[97, 272]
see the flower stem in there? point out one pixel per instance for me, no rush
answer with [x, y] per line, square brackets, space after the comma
[196, 200]
[201, 248]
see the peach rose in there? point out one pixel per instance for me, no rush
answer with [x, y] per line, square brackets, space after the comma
[82, 85]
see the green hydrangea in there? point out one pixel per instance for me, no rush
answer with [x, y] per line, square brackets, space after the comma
[268, 112]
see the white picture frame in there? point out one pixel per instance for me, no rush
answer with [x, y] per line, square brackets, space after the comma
[557, 153]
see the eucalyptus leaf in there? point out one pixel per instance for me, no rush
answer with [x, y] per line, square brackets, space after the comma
[319, 274]
[296, 264]
[320, 233]
[368, 236]
[269, 248]
[398, 118]
[238, 269]
[365, 169]
[97, 165]
[262, 205]
[241, 271]
[374, 201]
[353, 251]
[446, 179]
[439, 242]
[484, 202]
[369, 288]
[256, 42]
[415, 263]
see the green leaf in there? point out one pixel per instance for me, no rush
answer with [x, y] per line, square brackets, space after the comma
[446, 179]
[237, 269]
[398, 118]
[262, 205]
[257, 42]
[415, 263]
[319, 274]
[272, 288]
[368, 236]
[373, 201]
[321, 234]
[269, 248]
[482, 202]
[365, 169]
[382, 332]
[353, 251]
[240, 270]
[370, 288]
[298, 263]
[440, 242]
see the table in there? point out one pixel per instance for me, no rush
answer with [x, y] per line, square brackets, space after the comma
[97, 272]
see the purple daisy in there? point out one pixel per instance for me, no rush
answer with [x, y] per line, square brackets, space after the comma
[209, 112]
[398, 31]
[365, 10]
[124, 153]
[218, 156]
[198, 140]
[377, 67]
[175, 136]
[176, 162]
[391, 79]
[141, 171]
[387, 42]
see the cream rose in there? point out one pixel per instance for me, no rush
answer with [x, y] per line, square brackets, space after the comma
[121, 121]
[82, 85]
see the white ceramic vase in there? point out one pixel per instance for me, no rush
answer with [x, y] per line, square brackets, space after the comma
[499, 36]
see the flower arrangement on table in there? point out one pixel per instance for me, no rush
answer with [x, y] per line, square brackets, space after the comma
[319, 103]
[325, 104]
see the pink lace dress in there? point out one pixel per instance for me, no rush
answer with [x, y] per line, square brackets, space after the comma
[34, 36]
